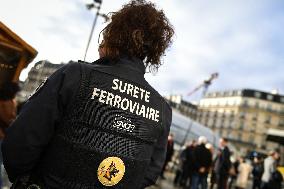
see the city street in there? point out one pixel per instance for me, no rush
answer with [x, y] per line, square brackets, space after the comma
[168, 183]
[161, 183]
[110, 94]
[165, 183]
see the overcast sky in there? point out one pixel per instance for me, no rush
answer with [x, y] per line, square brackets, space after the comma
[242, 40]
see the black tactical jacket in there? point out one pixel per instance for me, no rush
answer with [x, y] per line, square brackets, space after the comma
[98, 125]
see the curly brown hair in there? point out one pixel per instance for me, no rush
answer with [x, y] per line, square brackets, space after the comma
[138, 30]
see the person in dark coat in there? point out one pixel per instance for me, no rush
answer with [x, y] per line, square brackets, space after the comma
[276, 179]
[222, 165]
[169, 154]
[188, 162]
[213, 179]
[202, 164]
[233, 173]
[257, 172]
[98, 125]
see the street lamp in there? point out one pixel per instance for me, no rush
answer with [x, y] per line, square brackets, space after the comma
[98, 7]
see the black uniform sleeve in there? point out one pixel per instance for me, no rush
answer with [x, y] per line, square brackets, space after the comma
[159, 153]
[32, 130]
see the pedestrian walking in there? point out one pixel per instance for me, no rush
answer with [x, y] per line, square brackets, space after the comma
[222, 164]
[244, 170]
[202, 164]
[213, 179]
[257, 172]
[101, 124]
[188, 163]
[275, 182]
[269, 168]
[233, 173]
[178, 163]
[169, 154]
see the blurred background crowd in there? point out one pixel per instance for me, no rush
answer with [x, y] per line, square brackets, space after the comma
[198, 164]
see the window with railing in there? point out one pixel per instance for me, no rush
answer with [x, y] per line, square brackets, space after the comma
[239, 92]
[221, 123]
[215, 114]
[269, 97]
[254, 116]
[269, 108]
[267, 119]
[213, 123]
[281, 123]
[281, 111]
[240, 136]
[231, 125]
[229, 134]
[242, 125]
[251, 138]
[242, 115]
[257, 94]
[245, 103]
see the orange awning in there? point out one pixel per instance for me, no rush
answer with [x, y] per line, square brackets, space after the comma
[15, 54]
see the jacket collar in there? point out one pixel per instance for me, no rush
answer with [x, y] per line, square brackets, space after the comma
[133, 64]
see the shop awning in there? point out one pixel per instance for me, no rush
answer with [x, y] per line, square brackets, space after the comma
[275, 135]
[15, 54]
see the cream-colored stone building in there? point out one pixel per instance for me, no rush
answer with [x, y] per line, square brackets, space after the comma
[243, 116]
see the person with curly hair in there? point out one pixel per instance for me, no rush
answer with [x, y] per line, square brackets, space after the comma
[98, 125]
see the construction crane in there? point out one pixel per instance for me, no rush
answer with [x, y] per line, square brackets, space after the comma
[206, 83]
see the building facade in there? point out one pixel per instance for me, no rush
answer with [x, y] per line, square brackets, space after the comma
[243, 117]
[184, 107]
[184, 125]
[41, 70]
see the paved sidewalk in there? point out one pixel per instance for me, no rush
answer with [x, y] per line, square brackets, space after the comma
[165, 183]
[168, 183]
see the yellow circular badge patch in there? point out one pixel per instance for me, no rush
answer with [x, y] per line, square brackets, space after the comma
[111, 171]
